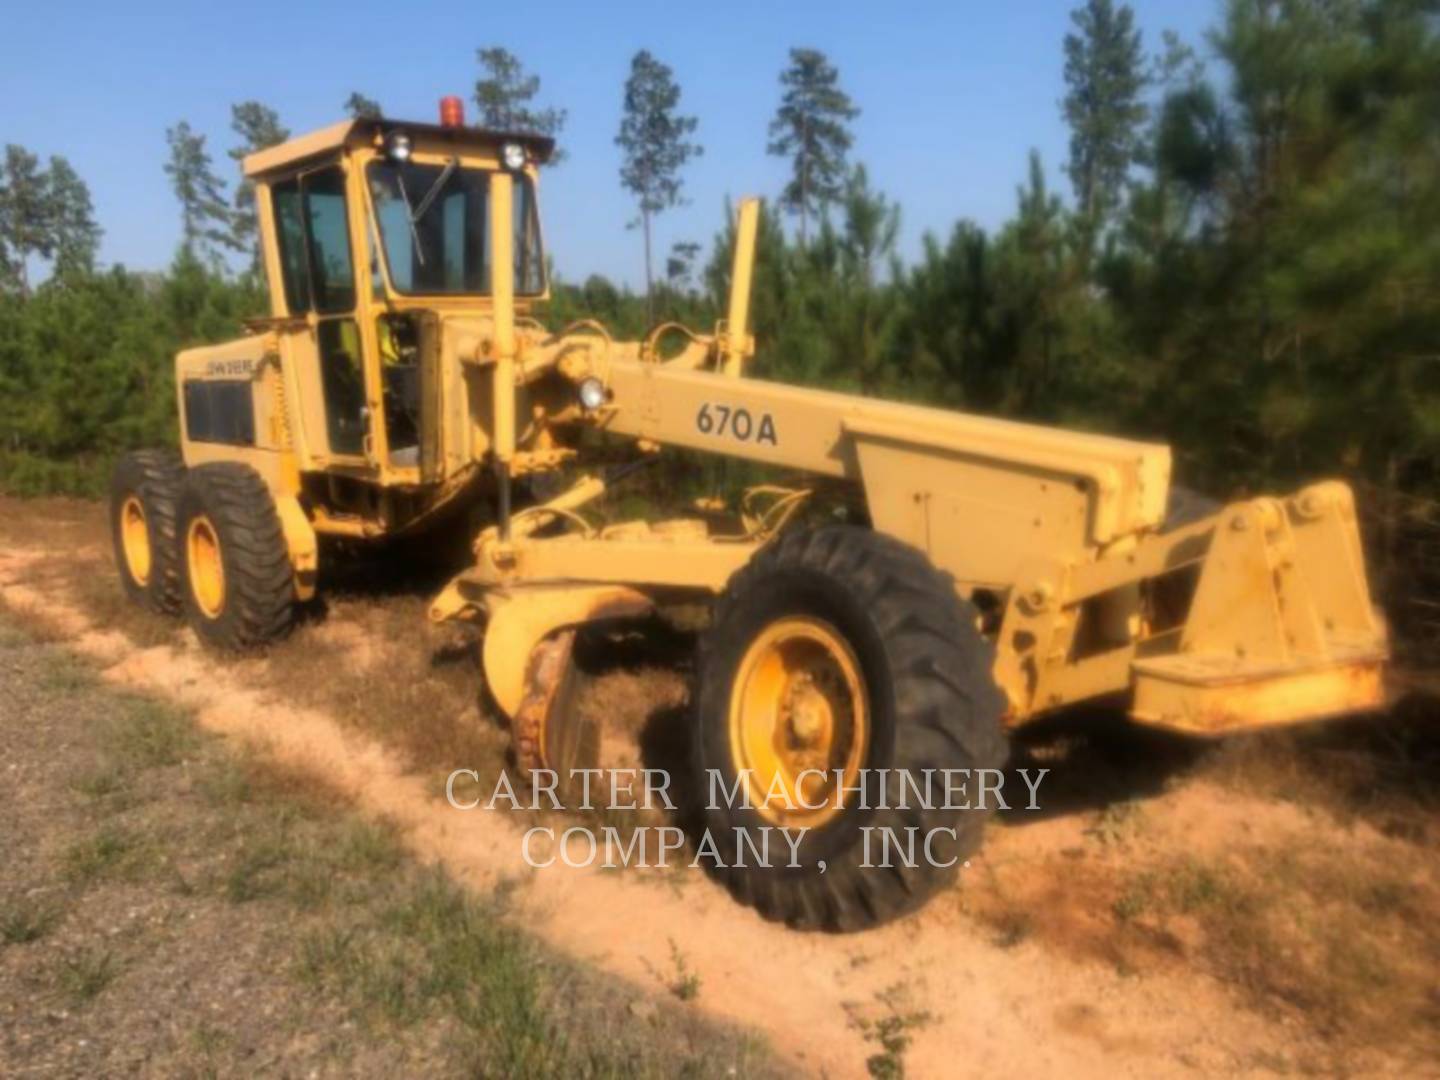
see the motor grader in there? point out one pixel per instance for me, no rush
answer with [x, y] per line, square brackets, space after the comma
[923, 582]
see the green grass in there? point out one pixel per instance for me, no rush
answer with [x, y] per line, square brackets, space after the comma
[149, 734]
[256, 871]
[24, 920]
[891, 1029]
[64, 674]
[228, 785]
[686, 984]
[368, 847]
[109, 851]
[103, 781]
[433, 949]
[139, 734]
[84, 975]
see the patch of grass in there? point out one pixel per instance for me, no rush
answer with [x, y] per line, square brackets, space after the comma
[253, 873]
[434, 716]
[1195, 887]
[1135, 900]
[891, 1028]
[151, 734]
[210, 1042]
[227, 786]
[24, 920]
[686, 984]
[84, 974]
[140, 734]
[1384, 769]
[103, 780]
[96, 588]
[1337, 936]
[1012, 926]
[436, 949]
[109, 851]
[1118, 822]
[64, 674]
[368, 847]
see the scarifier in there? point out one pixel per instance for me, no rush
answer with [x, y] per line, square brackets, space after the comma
[926, 581]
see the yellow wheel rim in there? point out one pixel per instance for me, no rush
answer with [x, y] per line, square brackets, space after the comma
[799, 722]
[135, 539]
[207, 571]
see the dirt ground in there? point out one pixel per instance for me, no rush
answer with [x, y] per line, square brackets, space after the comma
[173, 905]
[1263, 906]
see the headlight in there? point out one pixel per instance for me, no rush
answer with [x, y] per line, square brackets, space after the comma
[512, 156]
[397, 146]
[592, 394]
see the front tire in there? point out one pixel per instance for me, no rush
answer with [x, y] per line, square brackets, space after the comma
[238, 585]
[839, 651]
[144, 504]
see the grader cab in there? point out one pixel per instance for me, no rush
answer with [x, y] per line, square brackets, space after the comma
[918, 582]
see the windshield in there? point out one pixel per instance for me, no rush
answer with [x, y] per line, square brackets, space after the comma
[433, 220]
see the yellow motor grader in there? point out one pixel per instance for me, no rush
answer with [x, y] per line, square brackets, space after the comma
[928, 579]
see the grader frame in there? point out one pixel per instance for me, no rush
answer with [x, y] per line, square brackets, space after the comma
[1063, 533]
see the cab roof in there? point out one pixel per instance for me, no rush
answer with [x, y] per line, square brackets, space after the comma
[359, 131]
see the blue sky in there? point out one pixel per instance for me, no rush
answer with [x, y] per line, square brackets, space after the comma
[953, 95]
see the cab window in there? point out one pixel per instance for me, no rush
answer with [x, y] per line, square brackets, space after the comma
[310, 221]
[332, 279]
[315, 264]
[433, 221]
[290, 226]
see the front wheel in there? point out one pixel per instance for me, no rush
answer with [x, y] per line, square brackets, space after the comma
[237, 582]
[144, 500]
[840, 665]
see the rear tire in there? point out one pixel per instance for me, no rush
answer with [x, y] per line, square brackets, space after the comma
[238, 585]
[915, 691]
[144, 505]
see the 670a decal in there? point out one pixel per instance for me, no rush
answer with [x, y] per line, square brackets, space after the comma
[740, 424]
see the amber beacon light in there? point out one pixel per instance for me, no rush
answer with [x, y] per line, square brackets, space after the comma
[452, 112]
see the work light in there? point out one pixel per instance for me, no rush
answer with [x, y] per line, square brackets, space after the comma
[397, 146]
[512, 156]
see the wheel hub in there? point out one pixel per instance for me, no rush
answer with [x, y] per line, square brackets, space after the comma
[135, 539]
[205, 566]
[799, 722]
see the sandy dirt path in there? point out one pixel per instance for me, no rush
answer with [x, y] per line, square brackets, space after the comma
[992, 1008]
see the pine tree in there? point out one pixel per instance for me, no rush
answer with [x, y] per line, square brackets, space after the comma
[26, 228]
[504, 95]
[74, 233]
[1104, 71]
[680, 264]
[862, 319]
[205, 215]
[259, 128]
[656, 145]
[360, 107]
[810, 129]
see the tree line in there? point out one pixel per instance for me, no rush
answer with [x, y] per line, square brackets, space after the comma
[1240, 255]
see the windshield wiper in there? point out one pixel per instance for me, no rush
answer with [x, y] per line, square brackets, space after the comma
[410, 218]
[414, 214]
[434, 192]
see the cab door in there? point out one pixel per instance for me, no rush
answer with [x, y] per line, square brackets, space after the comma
[312, 228]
